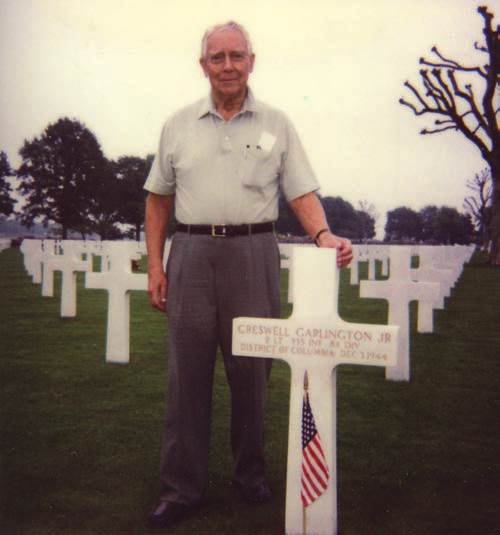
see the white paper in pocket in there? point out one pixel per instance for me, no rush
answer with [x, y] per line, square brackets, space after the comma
[266, 141]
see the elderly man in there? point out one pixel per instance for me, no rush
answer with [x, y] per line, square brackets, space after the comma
[222, 162]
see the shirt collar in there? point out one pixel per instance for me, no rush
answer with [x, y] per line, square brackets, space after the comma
[207, 105]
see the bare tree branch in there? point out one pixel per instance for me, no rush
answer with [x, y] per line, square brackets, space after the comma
[460, 104]
[437, 75]
[446, 121]
[478, 205]
[450, 64]
[425, 131]
[412, 107]
[471, 205]
[435, 92]
[416, 93]
[480, 47]
[426, 108]
[481, 183]
[476, 129]
[468, 97]
[442, 58]
[491, 38]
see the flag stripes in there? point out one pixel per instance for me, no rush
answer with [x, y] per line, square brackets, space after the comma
[315, 473]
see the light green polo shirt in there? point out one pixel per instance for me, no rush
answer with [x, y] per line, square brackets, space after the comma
[229, 172]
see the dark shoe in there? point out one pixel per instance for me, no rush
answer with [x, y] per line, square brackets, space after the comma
[258, 494]
[167, 513]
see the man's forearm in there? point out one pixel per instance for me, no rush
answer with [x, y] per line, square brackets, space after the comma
[310, 213]
[158, 210]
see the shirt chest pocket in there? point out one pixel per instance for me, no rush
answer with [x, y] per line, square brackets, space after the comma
[259, 167]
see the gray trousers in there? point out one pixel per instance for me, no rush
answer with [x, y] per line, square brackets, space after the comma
[210, 282]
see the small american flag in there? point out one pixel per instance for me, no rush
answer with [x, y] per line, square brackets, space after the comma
[315, 474]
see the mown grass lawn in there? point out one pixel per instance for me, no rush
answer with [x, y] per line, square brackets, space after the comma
[80, 438]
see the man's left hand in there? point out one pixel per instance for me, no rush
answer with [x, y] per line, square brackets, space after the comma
[343, 246]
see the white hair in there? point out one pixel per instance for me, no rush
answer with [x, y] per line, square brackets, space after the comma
[230, 25]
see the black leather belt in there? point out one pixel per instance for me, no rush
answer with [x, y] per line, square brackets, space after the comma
[226, 231]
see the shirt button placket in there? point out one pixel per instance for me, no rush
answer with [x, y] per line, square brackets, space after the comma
[226, 150]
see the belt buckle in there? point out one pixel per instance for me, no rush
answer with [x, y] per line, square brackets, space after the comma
[222, 233]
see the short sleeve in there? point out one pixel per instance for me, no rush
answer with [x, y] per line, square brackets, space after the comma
[161, 178]
[296, 176]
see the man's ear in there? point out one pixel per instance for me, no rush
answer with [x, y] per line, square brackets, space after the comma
[252, 61]
[203, 66]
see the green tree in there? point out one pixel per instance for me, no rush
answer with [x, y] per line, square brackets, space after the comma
[367, 218]
[103, 205]
[342, 217]
[465, 99]
[131, 172]
[445, 225]
[6, 201]
[366, 226]
[453, 227]
[403, 224]
[58, 171]
[429, 218]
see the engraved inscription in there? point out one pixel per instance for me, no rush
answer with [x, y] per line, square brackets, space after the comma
[366, 344]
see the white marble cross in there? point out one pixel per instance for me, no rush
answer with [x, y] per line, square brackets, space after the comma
[69, 263]
[354, 265]
[32, 253]
[371, 256]
[49, 253]
[4, 243]
[314, 339]
[118, 280]
[442, 261]
[286, 252]
[399, 290]
[427, 273]
[385, 261]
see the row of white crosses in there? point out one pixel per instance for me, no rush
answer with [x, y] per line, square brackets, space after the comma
[441, 265]
[398, 290]
[42, 258]
[369, 253]
[439, 268]
[32, 253]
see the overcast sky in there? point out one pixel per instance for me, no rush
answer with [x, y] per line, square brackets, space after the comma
[336, 68]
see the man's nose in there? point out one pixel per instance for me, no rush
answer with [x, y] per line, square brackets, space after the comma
[228, 64]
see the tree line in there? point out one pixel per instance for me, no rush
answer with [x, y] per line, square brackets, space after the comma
[343, 219]
[432, 224]
[66, 180]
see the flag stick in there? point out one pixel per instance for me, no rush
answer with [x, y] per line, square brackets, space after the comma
[304, 518]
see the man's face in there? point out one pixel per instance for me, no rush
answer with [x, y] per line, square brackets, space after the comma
[227, 63]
